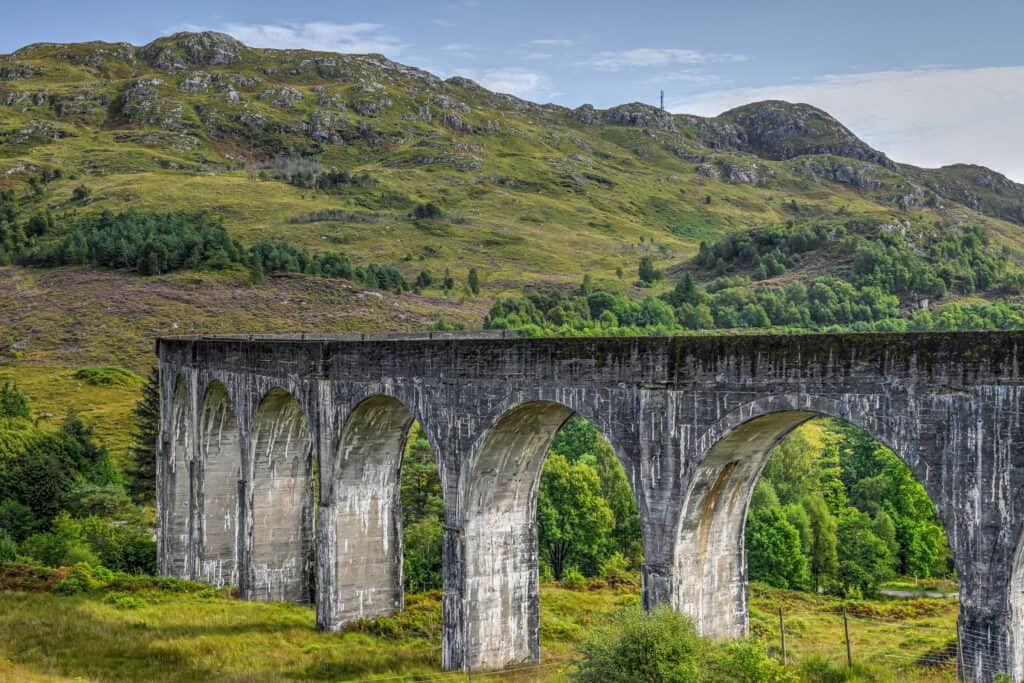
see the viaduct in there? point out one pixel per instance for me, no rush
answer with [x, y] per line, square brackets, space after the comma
[279, 457]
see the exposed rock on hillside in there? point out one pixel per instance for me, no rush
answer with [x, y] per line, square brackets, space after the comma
[193, 49]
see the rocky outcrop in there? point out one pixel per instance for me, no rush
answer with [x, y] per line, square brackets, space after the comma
[862, 175]
[781, 130]
[183, 50]
[639, 115]
[141, 104]
[284, 97]
[735, 172]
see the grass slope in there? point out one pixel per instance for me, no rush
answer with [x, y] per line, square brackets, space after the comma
[194, 634]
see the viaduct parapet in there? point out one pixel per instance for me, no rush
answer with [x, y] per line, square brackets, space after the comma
[279, 459]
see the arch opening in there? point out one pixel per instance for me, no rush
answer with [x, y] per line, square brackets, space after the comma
[281, 501]
[802, 501]
[525, 506]
[178, 529]
[365, 514]
[221, 471]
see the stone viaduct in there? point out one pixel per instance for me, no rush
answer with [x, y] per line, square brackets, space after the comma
[279, 460]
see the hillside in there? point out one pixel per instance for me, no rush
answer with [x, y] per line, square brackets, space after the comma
[527, 194]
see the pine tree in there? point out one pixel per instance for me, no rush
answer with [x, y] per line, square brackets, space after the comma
[144, 441]
[473, 281]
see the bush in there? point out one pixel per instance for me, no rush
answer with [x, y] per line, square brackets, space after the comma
[84, 578]
[663, 647]
[428, 211]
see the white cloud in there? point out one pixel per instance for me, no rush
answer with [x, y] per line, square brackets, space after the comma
[554, 42]
[359, 38]
[650, 56]
[927, 117]
[512, 80]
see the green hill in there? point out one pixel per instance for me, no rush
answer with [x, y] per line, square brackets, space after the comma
[332, 152]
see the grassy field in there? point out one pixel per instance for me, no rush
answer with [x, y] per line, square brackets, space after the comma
[185, 632]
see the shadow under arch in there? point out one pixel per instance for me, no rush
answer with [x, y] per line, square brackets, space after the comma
[178, 518]
[280, 501]
[220, 471]
[501, 597]
[710, 555]
[361, 514]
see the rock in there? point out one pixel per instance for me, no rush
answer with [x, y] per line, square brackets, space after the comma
[780, 130]
[327, 127]
[734, 172]
[141, 104]
[197, 83]
[639, 115]
[862, 175]
[17, 72]
[284, 97]
[585, 114]
[182, 50]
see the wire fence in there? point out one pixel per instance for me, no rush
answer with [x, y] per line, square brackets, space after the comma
[931, 652]
[940, 650]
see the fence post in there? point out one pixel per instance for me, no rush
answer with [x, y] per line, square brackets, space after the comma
[846, 631]
[782, 632]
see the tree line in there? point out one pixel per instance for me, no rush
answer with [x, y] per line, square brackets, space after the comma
[844, 515]
[63, 501]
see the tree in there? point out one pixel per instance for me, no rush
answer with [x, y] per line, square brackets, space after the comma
[13, 403]
[81, 193]
[647, 272]
[824, 557]
[573, 518]
[145, 432]
[774, 550]
[866, 560]
[422, 515]
[473, 281]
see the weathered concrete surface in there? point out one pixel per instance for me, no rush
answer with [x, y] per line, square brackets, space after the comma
[691, 419]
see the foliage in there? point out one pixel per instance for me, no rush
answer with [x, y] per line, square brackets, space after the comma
[775, 553]
[63, 500]
[573, 518]
[108, 376]
[13, 403]
[145, 432]
[422, 515]
[857, 511]
[149, 243]
[663, 647]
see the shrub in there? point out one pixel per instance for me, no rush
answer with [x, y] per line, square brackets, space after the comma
[428, 211]
[663, 647]
[84, 578]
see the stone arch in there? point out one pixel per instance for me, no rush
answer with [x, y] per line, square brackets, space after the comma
[280, 501]
[500, 574]
[710, 557]
[178, 528]
[362, 514]
[220, 450]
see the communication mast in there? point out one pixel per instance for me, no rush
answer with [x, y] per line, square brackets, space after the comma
[663, 100]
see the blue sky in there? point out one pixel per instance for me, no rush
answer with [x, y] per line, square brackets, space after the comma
[927, 82]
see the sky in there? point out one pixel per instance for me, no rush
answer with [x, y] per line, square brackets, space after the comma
[928, 83]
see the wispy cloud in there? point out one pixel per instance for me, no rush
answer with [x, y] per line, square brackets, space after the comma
[929, 117]
[460, 50]
[357, 38]
[651, 56]
[554, 42]
[519, 82]
[512, 80]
